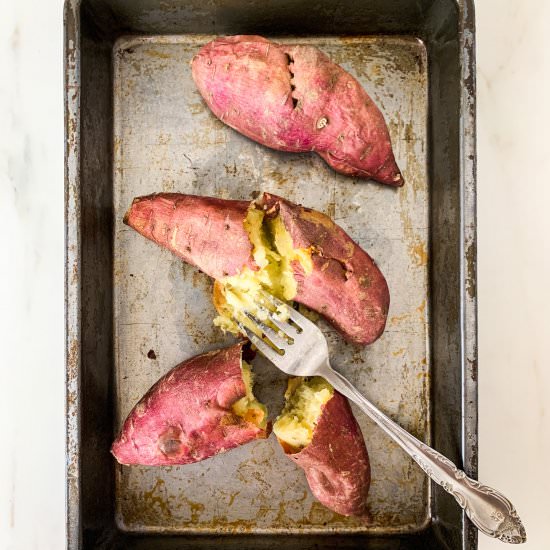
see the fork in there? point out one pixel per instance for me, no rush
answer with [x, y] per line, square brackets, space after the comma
[298, 348]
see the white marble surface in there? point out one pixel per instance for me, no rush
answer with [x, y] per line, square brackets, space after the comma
[514, 257]
[514, 266]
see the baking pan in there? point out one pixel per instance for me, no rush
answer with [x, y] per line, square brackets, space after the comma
[135, 124]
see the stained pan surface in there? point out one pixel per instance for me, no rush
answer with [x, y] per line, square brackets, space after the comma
[166, 139]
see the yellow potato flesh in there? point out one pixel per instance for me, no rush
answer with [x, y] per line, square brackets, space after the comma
[248, 407]
[305, 400]
[273, 253]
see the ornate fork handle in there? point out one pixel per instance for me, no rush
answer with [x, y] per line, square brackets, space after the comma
[490, 511]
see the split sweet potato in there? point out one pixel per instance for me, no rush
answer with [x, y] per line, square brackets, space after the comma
[293, 98]
[200, 408]
[317, 430]
[271, 244]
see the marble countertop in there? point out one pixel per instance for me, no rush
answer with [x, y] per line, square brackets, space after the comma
[513, 266]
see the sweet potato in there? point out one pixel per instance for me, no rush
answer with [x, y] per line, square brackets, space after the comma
[293, 98]
[293, 252]
[344, 284]
[200, 408]
[195, 229]
[317, 430]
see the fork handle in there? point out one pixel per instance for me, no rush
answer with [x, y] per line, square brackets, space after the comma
[488, 509]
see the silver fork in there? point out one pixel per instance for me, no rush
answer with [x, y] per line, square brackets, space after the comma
[299, 348]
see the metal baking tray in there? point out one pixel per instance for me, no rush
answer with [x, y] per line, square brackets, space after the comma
[135, 124]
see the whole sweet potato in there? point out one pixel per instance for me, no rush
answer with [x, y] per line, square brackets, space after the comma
[293, 98]
[293, 252]
[200, 408]
[317, 430]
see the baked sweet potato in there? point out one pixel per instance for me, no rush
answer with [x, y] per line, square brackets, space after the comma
[204, 231]
[270, 244]
[317, 430]
[293, 98]
[200, 408]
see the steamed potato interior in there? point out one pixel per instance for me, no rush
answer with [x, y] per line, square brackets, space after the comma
[248, 407]
[273, 253]
[305, 398]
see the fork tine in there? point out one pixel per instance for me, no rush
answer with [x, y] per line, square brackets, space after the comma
[275, 338]
[290, 332]
[298, 318]
[284, 326]
[263, 348]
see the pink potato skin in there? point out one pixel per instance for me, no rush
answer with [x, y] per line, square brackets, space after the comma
[293, 98]
[336, 462]
[203, 231]
[186, 416]
[346, 286]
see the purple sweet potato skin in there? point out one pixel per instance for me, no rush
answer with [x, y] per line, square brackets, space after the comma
[203, 231]
[346, 286]
[336, 462]
[186, 416]
[293, 98]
